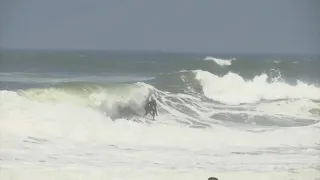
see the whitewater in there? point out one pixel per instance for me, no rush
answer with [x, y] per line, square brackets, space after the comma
[82, 118]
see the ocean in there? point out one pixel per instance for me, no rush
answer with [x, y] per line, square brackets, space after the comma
[79, 115]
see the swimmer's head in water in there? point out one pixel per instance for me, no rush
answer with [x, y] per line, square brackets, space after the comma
[212, 178]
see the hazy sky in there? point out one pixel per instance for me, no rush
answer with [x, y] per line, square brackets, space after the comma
[283, 26]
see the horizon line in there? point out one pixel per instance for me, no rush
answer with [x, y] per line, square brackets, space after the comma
[150, 51]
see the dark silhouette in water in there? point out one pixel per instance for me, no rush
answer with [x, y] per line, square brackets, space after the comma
[212, 178]
[151, 108]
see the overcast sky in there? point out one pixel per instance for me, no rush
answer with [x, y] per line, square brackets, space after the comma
[276, 26]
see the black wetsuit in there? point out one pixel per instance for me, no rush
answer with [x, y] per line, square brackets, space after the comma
[151, 107]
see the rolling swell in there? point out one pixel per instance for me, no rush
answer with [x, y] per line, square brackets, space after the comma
[292, 67]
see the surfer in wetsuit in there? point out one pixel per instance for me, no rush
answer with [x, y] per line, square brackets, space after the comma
[151, 107]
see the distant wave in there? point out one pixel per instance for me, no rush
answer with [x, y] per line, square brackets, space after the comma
[221, 62]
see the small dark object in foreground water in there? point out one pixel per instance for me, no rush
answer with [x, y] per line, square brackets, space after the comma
[212, 178]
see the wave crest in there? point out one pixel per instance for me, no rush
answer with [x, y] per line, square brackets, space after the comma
[221, 62]
[115, 101]
[232, 89]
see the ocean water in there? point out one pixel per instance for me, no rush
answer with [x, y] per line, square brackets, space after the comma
[78, 115]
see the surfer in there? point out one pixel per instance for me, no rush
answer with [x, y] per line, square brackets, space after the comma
[151, 107]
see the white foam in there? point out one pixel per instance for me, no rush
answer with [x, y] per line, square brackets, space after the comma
[232, 89]
[83, 141]
[20, 117]
[221, 62]
[108, 100]
[295, 108]
[145, 173]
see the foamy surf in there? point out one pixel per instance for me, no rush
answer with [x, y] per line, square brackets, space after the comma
[53, 113]
[120, 173]
[82, 118]
[58, 134]
[234, 90]
[65, 141]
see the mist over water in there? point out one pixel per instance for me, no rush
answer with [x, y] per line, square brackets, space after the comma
[76, 115]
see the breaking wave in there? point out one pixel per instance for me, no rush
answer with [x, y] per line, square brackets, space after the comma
[221, 62]
[193, 98]
[232, 89]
